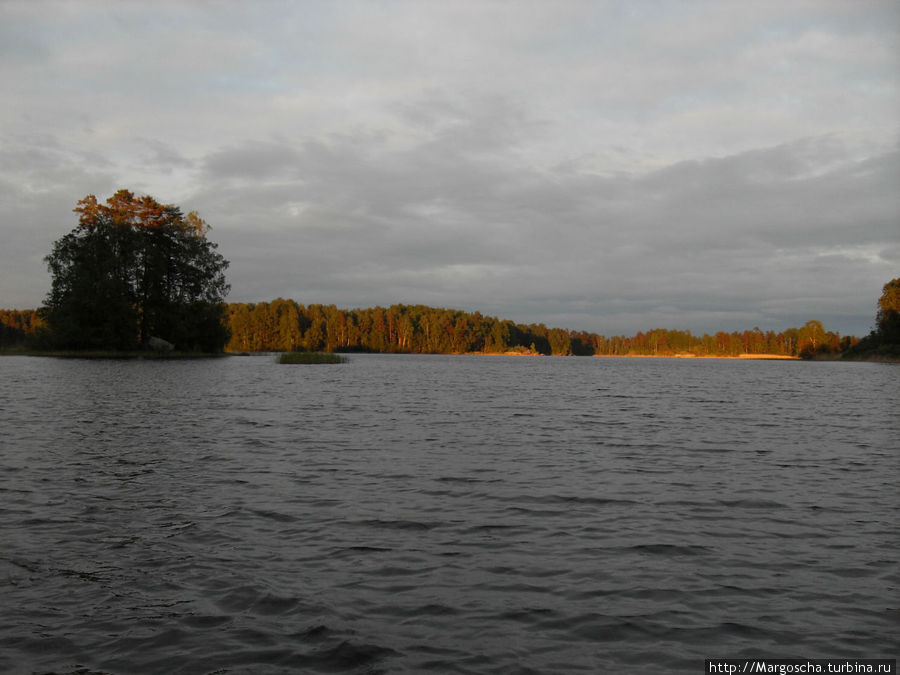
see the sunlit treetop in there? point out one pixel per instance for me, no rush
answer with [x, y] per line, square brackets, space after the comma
[123, 209]
[890, 297]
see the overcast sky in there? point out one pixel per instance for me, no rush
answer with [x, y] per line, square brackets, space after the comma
[602, 166]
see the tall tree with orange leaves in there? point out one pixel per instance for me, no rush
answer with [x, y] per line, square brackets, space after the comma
[133, 269]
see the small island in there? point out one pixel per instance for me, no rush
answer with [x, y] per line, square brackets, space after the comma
[310, 358]
[135, 278]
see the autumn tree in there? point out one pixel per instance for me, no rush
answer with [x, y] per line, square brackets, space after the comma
[560, 344]
[811, 338]
[887, 321]
[884, 340]
[133, 269]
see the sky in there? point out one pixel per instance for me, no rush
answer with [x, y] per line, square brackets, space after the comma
[602, 166]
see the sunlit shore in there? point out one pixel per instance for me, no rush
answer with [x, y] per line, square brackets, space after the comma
[760, 357]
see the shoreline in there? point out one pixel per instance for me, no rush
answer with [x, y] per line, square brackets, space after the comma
[142, 355]
[750, 357]
[745, 357]
[98, 354]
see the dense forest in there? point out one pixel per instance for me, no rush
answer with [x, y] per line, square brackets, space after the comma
[17, 326]
[284, 325]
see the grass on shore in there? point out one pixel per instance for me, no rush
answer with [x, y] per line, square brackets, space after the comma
[310, 358]
[108, 354]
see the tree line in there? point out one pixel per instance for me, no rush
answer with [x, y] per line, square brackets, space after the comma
[284, 325]
[136, 273]
[18, 326]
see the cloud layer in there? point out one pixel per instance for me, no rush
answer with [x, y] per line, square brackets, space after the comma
[602, 166]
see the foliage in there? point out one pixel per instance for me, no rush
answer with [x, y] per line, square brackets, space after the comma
[17, 326]
[310, 358]
[887, 320]
[884, 341]
[286, 325]
[134, 268]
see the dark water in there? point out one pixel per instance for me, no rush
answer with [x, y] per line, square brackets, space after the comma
[445, 514]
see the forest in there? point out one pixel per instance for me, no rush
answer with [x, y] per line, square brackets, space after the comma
[17, 326]
[284, 325]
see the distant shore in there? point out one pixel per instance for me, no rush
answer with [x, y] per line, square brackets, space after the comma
[758, 357]
[138, 355]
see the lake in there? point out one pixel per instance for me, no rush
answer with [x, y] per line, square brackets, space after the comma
[450, 514]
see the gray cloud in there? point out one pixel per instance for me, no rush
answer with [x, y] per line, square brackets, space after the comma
[455, 225]
[594, 165]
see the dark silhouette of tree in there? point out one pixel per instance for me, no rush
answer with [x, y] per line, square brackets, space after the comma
[134, 268]
[884, 340]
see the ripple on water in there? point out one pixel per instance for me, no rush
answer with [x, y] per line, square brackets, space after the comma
[441, 514]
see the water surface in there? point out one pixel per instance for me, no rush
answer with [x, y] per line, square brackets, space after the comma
[454, 514]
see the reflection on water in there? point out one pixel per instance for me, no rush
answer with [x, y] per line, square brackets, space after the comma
[446, 514]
